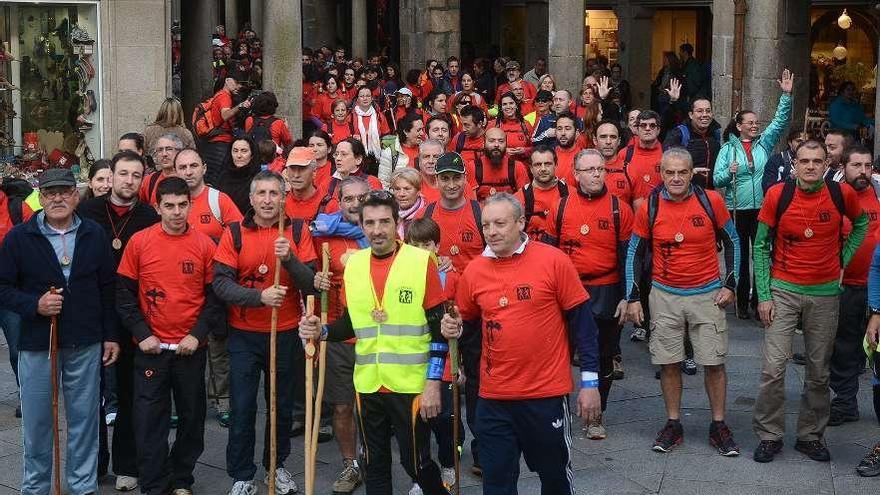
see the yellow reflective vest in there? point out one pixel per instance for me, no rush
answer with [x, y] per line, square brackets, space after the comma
[393, 353]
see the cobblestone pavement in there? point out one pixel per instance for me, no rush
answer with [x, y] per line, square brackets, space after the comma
[621, 464]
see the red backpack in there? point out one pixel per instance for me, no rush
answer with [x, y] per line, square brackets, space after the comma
[203, 120]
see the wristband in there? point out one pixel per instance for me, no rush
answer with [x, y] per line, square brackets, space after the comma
[439, 347]
[435, 368]
[589, 383]
[325, 330]
[875, 311]
[589, 379]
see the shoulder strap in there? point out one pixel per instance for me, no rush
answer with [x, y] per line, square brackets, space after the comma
[653, 204]
[429, 210]
[459, 142]
[630, 151]
[529, 200]
[706, 204]
[615, 214]
[562, 188]
[297, 227]
[478, 170]
[478, 218]
[16, 213]
[560, 216]
[151, 187]
[685, 135]
[331, 187]
[394, 155]
[214, 204]
[235, 231]
[511, 173]
[836, 195]
[784, 201]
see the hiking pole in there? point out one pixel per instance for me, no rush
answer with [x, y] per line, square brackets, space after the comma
[734, 185]
[273, 353]
[322, 362]
[456, 402]
[310, 383]
[53, 367]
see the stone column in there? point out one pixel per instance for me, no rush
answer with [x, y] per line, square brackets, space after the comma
[428, 29]
[319, 23]
[359, 29]
[231, 22]
[537, 34]
[257, 8]
[197, 23]
[634, 26]
[282, 59]
[566, 44]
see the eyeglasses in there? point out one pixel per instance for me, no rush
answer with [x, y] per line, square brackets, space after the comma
[167, 149]
[590, 170]
[63, 193]
[648, 125]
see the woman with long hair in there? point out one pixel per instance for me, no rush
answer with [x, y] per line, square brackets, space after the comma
[547, 83]
[350, 158]
[739, 169]
[347, 86]
[589, 109]
[169, 120]
[515, 127]
[327, 93]
[243, 165]
[469, 88]
[369, 124]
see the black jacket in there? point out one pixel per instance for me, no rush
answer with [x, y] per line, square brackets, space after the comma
[138, 218]
[29, 267]
[702, 147]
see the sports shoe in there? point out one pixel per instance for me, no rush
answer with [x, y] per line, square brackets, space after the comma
[596, 430]
[767, 450]
[799, 359]
[297, 428]
[814, 449]
[126, 483]
[671, 435]
[182, 491]
[243, 488]
[325, 434]
[838, 418]
[349, 479]
[284, 483]
[721, 438]
[638, 334]
[447, 475]
[617, 371]
[224, 419]
[870, 465]
[689, 367]
[416, 490]
[110, 419]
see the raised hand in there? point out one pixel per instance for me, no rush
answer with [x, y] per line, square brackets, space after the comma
[787, 81]
[674, 90]
[604, 87]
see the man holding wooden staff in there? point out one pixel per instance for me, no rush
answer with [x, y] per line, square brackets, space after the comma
[243, 278]
[58, 249]
[393, 303]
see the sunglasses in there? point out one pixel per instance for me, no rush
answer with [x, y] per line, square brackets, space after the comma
[649, 125]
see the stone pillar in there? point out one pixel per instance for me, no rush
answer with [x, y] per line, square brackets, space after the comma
[777, 36]
[197, 23]
[634, 26]
[537, 34]
[428, 29]
[566, 44]
[257, 8]
[319, 23]
[231, 22]
[359, 29]
[282, 59]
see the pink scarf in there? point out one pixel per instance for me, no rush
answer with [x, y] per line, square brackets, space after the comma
[408, 215]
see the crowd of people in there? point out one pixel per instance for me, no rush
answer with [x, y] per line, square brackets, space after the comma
[481, 206]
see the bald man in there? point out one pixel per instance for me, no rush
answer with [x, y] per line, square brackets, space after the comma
[494, 170]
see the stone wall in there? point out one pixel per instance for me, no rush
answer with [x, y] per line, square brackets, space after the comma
[428, 29]
[566, 43]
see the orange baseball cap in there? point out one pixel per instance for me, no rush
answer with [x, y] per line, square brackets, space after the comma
[300, 157]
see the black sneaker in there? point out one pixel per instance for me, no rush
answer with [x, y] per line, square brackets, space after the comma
[671, 435]
[325, 433]
[814, 449]
[870, 465]
[721, 438]
[767, 450]
[297, 428]
[799, 359]
[689, 367]
[839, 418]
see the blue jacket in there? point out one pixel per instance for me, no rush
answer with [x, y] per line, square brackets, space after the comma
[29, 267]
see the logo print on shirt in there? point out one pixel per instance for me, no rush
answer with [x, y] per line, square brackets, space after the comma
[872, 216]
[824, 216]
[568, 246]
[698, 221]
[188, 267]
[204, 218]
[492, 327]
[523, 293]
[154, 296]
[603, 223]
[467, 236]
[405, 295]
[557, 423]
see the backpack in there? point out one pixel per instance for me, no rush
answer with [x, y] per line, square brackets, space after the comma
[529, 199]
[235, 231]
[787, 195]
[331, 187]
[214, 204]
[262, 129]
[702, 198]
[685, 131]
[511, 174]
[152, 184]
[475, 210]
[203, 122]
[560, 215]
[17, 191]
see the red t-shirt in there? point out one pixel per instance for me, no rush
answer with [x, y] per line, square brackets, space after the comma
[644, 169]
[525, 351]
[257, 248]
[565, 162]
[856, 273]
[458, 229]
[278, 130]
[529, 91]
[796, 258]
[171, 271]
[145, 194]
[616, 181]
[470, 151]
[306, 209]
[693, 262]
[322, 176]
[322, 106]
[340, 132]
[519, 135]
[490, 178]
[222, 99]
[546, 200]
[6, 220]
[202, 218]
[594, 254]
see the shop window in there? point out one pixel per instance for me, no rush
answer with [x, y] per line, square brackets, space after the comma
[50, 88]
[600, 31]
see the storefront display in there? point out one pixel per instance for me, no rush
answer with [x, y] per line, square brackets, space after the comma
[49, 86]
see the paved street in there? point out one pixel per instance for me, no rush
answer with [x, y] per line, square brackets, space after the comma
[622, 464]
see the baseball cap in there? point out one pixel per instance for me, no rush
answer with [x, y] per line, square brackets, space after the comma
[450, 162]
[300, 157]
[512, 65]
[544, 95]
[56, 177]
[404, 91]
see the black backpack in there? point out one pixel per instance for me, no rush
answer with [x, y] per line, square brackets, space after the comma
[475, 210]
[511, 175]
[17, 191]
[787, 195]
[235, 231]
[262, 128]
[529, 199]
[560, 216]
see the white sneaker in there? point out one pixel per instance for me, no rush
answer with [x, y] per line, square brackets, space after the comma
[638, 334]
[110, 419]
[416, 490]
[284, 483]
[243, 488]
[126, 483]
[447, 475]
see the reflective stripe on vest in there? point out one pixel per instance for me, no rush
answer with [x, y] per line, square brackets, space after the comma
[393, 354]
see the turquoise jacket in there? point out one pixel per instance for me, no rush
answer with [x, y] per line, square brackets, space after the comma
[749, 193]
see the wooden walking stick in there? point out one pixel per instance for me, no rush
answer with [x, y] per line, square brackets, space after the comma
[53, 367]
[310, 382]
[273, 346]
[322, 364]
[456, 402]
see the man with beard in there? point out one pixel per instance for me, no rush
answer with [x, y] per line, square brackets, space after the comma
[607, 139]
[164, 153]
[847, 358]
[567, 145]
[700, 135]
[490, 171]
[836, 142]
[545, 131]
[393, 304]
[121, 215]
[542, 194]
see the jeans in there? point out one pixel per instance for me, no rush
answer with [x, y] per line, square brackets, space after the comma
[248, 362]
[80, 382]
[11, 323]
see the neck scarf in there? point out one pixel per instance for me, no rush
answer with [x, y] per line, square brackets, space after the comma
[370, 136]
[408, 215]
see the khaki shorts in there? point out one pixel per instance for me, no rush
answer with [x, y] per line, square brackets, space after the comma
[339, 374]
[672, 316]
